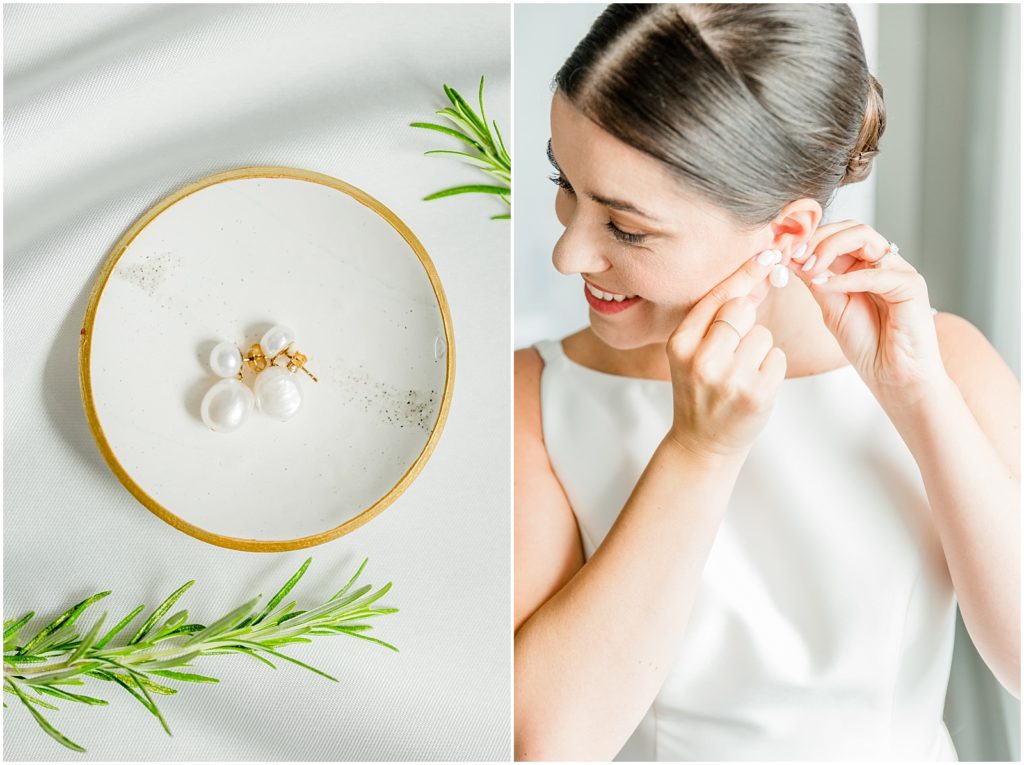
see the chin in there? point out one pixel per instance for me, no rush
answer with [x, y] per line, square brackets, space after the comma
[626, 338]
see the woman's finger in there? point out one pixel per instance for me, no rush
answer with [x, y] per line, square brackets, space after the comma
[821, 233]
[840, 265]
[894, 286]
[731, 324]
[859, 241]
[749, 281]
[751, 352]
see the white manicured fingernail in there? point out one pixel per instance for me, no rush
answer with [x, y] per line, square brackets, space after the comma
[799, 252]
[820, 279]
[778, 256]
[779, 276]
[766, 258]
[810, 263]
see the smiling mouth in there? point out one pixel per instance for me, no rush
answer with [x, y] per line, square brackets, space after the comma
[608, 302]
[606, 296]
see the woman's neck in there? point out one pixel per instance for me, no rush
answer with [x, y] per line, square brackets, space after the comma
[791, 314]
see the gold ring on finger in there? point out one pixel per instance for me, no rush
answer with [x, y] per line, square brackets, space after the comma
[731, 326]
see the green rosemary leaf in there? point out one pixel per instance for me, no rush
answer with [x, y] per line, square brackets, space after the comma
[87, 642]
[483, 164]
[152, 685]
[141, 695]
[162, 609]
[18, 659]
[68, 696]
[33, 699]
[62, 674]
[175, 661]
[467, 113]
[481, 189]
[11, 626]
[348, 585]
[256, 656]
[361, 636]
[374, 597]
[120, 626]
[279, 615]
[42, 722]
[185, 677]
[287, 658]
[502, 151]
[469, 128]
[480, 98]
[504, 216]
[100, 674]
[223, 624]
[283, 591]
[188, 629]
[64, 620]
[169, 628]
[448, 131]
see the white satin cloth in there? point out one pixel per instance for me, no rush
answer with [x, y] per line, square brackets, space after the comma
[824, 622]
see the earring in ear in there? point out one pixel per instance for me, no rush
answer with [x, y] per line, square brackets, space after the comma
[228, 404]
[779, 276]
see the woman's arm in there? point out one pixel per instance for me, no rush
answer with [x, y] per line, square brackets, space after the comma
[591, 658]
[965, 438]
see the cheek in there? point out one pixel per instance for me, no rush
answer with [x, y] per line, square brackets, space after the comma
[672, 284]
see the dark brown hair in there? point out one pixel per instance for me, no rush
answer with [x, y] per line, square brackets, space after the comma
[750, 105]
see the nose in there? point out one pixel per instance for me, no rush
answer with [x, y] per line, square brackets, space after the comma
[577, 253]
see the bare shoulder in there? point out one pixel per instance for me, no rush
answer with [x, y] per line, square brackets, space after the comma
[987, 384]
[967, 354]
[528, 366]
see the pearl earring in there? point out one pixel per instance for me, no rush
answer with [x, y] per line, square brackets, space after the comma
[227, 405]
[277, 394]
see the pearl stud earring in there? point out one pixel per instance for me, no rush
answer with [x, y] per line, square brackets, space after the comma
[277, 394]
[228, 404]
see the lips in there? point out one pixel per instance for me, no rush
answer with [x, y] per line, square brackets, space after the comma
[608, 302]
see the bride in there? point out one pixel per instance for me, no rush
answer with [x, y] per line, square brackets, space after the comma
[750, 495]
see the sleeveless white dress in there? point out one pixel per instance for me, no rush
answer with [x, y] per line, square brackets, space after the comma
[824, 621]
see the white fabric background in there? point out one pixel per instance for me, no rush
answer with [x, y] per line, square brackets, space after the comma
[108, 109]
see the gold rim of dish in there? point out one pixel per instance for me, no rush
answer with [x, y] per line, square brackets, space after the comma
[85, 373]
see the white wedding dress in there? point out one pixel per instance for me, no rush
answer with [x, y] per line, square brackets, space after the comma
[823, 626]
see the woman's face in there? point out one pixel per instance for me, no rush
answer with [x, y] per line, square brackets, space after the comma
[630, 229]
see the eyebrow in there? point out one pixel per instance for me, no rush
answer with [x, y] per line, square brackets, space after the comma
[614, 204]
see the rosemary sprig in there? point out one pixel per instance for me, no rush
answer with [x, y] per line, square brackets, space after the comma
[486, 149]
[58, 656]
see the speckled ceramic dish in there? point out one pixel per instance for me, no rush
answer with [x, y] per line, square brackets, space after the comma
[226, 258]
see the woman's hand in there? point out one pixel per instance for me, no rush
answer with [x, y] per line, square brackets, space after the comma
[725, 369]
[876, 305]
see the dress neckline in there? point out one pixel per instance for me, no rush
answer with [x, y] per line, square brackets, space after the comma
[613, 377]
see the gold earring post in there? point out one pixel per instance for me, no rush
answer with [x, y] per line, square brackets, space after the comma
[297, 361]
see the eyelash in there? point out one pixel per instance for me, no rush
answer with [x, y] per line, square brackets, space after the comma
[625, 236]
[617, 233]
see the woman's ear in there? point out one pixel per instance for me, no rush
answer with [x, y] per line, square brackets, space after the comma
[795, 223]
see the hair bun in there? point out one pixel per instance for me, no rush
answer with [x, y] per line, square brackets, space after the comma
[858, 166]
